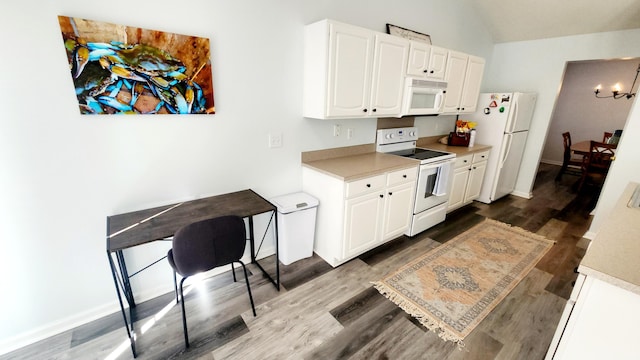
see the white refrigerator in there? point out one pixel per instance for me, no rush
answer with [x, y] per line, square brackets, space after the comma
[503, 122]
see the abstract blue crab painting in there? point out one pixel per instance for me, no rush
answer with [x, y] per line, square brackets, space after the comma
[119, 69]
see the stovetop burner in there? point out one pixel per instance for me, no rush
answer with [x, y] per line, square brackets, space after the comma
[402, 142]
[419, 153]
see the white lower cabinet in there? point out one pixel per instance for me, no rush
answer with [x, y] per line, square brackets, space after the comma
[599, 322]
[397, 215]
[468, 175]
[360, 234]
[356, 216]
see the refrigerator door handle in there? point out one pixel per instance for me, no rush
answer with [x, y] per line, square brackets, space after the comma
[506, 152]
[514, 118]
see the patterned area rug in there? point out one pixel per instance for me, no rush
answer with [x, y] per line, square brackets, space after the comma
[453, 287]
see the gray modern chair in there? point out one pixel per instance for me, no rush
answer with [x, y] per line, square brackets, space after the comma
[205, 245]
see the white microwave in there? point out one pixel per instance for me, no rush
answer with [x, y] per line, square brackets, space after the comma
[423, 97]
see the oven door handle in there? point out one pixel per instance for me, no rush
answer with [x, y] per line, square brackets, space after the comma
[436, 164]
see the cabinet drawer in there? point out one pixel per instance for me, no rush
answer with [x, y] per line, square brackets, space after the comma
[363, 186]
[402, 176]
[480, 156]
[463, 161]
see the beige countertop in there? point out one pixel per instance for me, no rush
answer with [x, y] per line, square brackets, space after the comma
[353, 167]
[458, 150]
[614, 254]
[356, 162]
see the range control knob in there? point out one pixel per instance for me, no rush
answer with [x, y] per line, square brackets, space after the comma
[412, 133]
[389, 136]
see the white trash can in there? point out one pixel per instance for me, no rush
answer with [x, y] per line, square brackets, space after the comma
[296, 226]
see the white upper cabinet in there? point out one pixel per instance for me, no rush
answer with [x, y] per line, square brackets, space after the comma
[472, 82]
[389, 63]
[349, 72]
[426, 61]
[352, 72]
[463, 76]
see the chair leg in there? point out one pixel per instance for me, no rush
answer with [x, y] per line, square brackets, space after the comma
[246, 277]
[563, 168]
[582, 180]
[184, 315]
[175, 286]
[233, 271]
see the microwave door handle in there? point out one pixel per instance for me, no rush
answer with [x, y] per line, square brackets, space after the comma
[439, 101]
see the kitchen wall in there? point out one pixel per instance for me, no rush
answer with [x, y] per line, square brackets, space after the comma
[63, 173]
[578, 111]
[538, 66]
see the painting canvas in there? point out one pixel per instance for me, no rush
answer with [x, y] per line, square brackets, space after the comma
[119, 69]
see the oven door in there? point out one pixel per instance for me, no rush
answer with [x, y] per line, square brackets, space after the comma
[434, 184]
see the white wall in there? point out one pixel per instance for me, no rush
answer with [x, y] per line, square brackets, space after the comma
[623, 170]
[63, 173]
[538, 66]
[578, 111]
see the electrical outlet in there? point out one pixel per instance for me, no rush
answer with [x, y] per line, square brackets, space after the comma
[275, 140]
[349, 133]
[336, 130]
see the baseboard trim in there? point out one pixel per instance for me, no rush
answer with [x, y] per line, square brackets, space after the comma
[526, 195]
[551, 162]
[57, 327]
[589, 235]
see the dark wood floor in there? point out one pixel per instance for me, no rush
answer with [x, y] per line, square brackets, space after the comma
[326, 313]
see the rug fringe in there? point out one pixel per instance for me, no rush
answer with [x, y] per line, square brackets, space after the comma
[540, 245]
[520, 230]
[430, 323]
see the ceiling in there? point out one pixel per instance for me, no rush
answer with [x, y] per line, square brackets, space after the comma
[518, 20]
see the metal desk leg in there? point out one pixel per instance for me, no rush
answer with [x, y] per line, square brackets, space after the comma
[130, 333]
[128, 293]
[252, 240]
[275, 225]
[276, 282]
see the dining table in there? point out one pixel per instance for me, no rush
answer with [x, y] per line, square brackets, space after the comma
[581, 148]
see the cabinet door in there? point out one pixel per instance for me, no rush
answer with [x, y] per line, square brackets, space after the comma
[362, 216]
[418, 65]
[454, 75]
[458, 188]
[474, 185]
[437, 63]
[398, 210]
[349, 78]
[389, 64]
[472, 81]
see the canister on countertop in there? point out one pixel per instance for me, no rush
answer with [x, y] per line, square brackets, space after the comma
[472, 137]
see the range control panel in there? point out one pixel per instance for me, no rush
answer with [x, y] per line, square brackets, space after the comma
[396, 135]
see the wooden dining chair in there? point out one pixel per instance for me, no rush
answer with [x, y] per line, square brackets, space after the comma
[570, 163]
[596, 164]
[606, 137]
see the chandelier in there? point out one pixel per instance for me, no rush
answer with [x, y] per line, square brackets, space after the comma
[615, 91]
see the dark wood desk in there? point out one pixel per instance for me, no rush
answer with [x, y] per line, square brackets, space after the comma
[139, 227]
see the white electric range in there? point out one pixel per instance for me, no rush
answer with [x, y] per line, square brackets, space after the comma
[434, 179]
